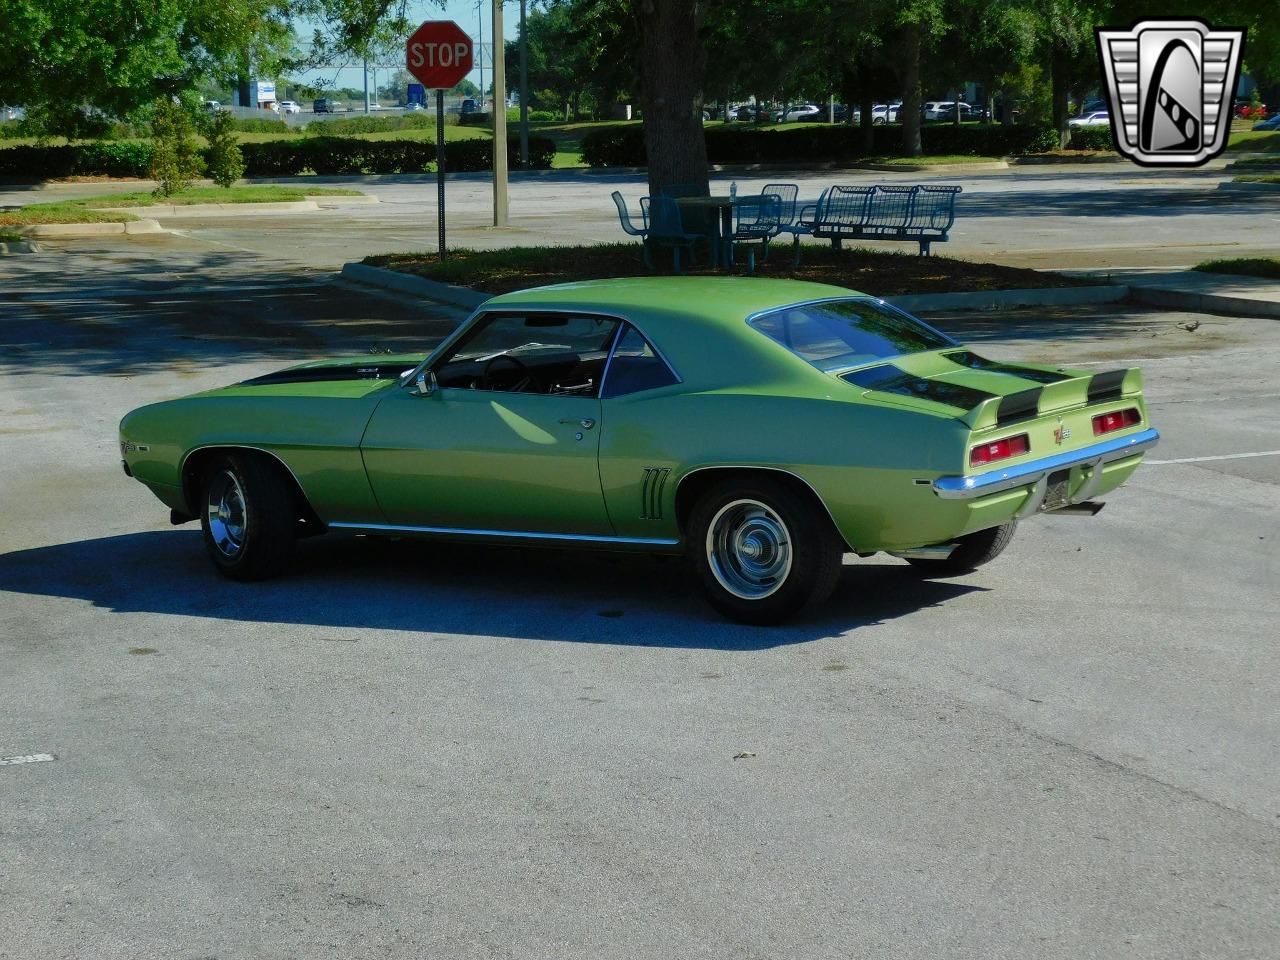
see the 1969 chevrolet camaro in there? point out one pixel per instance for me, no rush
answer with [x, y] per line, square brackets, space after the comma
[762, 427]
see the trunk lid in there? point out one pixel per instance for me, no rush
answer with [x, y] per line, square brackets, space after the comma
[1053, 406]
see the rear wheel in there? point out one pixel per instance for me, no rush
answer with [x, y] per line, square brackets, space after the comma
[975, 550]
[761, 551]
[248, 517]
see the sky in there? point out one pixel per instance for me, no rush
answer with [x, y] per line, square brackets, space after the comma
[462, 12]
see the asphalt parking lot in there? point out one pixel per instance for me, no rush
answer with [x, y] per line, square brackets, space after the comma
[418, 750]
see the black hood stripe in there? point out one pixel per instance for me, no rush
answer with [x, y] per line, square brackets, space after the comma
[364, 371]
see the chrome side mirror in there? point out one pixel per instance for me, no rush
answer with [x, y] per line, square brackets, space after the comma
[426, 383]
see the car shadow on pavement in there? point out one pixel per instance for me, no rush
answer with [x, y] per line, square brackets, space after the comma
[435, 588]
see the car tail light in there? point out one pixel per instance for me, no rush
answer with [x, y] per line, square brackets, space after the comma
[1116, 420]
[999, 450]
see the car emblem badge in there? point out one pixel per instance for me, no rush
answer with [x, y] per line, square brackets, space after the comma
[1169, 88]
[1063, 432]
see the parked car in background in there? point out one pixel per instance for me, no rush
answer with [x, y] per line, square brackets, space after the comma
[1092, 106]
[753, 114]
[1099, 118]
[288, 106]
[1271, 123]
[798, 113]
[469, 107]
[212, 106]
[411, 107]
[947, 111]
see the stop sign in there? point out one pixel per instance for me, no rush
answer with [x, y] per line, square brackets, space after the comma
[438, 54]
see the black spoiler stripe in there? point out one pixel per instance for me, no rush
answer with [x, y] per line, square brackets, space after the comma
[1022, 405]
[1106, 386]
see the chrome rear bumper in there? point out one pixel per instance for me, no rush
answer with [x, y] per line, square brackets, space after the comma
[1037, 471]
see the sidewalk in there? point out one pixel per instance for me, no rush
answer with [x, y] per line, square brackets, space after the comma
[1195, 291]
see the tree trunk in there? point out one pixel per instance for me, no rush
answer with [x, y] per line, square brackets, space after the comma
[1059, 68]
[910, 111]
[672, 64]
[867, 105]
[955, 98]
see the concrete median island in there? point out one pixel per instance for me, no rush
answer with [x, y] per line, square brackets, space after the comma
[114, 213]
[887, 274]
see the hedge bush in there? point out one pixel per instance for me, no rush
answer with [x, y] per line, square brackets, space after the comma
[1091, 138]
[277, 158]
[262, 125]
[624, 146]
[368, 124]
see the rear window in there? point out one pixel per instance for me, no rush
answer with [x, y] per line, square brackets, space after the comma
[840, 334]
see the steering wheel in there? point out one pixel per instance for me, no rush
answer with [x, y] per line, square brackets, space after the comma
[526, 379]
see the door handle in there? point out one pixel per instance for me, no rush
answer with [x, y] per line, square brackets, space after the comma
[586, 423]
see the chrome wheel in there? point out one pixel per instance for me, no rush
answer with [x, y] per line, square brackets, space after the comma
[749, 549]
[227, 515]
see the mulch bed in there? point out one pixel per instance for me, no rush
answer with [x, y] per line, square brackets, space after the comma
[870, 271]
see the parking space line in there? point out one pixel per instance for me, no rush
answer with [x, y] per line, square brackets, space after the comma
[1221, 456]
[30, 758]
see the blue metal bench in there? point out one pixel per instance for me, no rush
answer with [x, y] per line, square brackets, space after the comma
[923, 213]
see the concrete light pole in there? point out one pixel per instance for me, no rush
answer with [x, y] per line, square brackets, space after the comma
[500, 210]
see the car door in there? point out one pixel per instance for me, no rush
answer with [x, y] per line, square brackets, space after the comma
[508, 440]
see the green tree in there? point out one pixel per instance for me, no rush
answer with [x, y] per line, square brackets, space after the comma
[225, 161]
[175, 159]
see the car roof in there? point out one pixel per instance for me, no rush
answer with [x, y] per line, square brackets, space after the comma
[699, 323]
[711, 301]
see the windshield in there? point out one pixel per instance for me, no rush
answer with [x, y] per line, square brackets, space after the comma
[840, 334]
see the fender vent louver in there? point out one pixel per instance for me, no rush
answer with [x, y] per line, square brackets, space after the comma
[655, 480]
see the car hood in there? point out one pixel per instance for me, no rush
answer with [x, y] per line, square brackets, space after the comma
[343, 377]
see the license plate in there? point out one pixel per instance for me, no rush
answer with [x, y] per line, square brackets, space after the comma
[1055, 494]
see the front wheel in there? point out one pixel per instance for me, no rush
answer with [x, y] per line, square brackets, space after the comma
[975, 549]
[248, 517]
[761, 551]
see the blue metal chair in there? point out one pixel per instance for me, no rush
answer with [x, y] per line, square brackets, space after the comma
[666, 229]
[805, 218]
[629, 228]
[755, 220]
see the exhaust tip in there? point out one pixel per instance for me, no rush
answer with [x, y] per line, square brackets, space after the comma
[1085, 508]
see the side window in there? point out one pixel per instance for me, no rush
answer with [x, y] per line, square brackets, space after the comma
[635, 366]
[550, 353]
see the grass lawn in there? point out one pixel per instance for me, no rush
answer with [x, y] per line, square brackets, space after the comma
[873, 271]
[83, 209]
[264, 194]
[1259, 141]
[1257, 178]
[64, 212]
[1267, 267]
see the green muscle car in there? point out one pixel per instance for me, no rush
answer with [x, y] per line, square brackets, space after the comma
[765, 428]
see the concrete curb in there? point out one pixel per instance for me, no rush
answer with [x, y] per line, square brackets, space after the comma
[219, 209]
[417, 286]
[13, 247]
[74, 231]
[1008, 299]
[930, 167]
[1249, 187]
[981, 300]
[1204, 302]
[1033, 160]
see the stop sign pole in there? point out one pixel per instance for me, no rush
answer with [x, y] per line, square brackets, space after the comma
[439, 54]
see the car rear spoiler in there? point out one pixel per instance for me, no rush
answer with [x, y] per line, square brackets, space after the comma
[1038, 401]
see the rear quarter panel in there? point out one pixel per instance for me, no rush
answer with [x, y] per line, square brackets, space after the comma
[861, 458]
